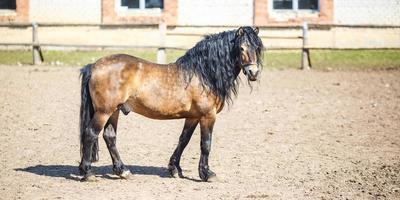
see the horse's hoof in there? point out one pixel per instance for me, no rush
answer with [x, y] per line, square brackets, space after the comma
[212, 177]
[173, 170]
[90, 178]
[209, 176]
[126, 174]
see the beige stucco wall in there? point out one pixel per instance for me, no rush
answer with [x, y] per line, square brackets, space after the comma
[65, 11]
[381, 12]
[212, 12]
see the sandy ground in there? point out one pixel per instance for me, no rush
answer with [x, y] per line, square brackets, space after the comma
[298, 135]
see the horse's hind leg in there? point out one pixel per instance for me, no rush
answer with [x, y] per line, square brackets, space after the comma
[206, 128]
[90, 136]
[95, 152]
[110, 137]
[187, 132]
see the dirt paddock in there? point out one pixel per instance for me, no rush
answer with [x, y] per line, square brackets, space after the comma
[297, 135]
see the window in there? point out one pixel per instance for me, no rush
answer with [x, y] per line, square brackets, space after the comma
[308, 4]
[154, 4]
[142, 4]
[8, 4]
[283, 4]
[295, 4]
[130, 3]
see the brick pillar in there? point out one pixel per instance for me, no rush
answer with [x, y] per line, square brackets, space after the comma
[22, 10]
[108, 11]
[260, 12]
[326, 11]
[170, 13]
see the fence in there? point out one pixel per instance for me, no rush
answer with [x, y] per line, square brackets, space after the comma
[37, 56]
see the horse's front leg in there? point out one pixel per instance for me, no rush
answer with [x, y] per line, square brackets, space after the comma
[206, 126]
[187, 132]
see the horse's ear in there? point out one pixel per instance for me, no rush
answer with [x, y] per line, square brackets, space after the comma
[239, 32]
[256, 30]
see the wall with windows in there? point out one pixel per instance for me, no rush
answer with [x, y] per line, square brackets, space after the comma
[377, 12]
[204, 12]
[211, 12]
[65, 11]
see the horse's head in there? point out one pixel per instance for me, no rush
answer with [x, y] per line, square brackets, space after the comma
[248, 47]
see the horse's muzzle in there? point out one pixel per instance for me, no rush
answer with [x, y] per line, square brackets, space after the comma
[251, 71]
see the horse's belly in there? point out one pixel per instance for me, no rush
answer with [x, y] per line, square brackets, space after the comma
[159, 107]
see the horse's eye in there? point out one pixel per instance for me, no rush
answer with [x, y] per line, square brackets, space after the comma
[241, 49]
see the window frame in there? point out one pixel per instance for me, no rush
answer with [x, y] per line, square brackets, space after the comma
[137, 11]
[295, 7]
[5, 11]
[284, 15]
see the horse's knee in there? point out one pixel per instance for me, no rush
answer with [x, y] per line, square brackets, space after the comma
[91, 135]
[109, 132]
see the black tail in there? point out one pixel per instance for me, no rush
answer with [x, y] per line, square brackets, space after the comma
[86, 111]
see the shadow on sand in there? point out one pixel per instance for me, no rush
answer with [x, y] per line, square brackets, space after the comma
[72, 172]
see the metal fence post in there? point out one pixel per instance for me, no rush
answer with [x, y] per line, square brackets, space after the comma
[161, 55]
[37, 55]
[305, 55]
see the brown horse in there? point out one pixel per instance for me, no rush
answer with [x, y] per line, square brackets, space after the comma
[195, 87]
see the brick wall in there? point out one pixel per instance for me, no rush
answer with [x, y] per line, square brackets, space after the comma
[377, 12]
[265, 15]
[110, 15]
[21, 13]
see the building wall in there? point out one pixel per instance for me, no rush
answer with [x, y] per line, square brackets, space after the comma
[377, 12]
[65, 11]
[211, 12]
[205, 12]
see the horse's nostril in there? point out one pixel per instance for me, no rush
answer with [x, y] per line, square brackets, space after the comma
[252, 73]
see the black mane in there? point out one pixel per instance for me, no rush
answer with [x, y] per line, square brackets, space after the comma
[215, 61]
